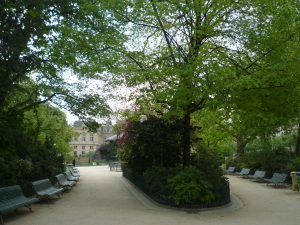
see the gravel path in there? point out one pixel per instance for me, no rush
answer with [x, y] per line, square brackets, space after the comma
[102, 197]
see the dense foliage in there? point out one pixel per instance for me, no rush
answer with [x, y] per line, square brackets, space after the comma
[154, 142]
[234, 60]
[48, 51]
[211, 75]
[269, 153]
[188, 186]
[41, 41]
[152, 159]
[35, 147]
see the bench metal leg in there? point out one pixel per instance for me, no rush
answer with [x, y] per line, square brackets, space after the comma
[1, 220]
[29, 207]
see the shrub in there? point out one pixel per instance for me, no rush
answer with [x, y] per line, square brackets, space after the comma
[150, 152]
[156, 180]
[270, 160]
[150, 143]
[189, 186]
[294, 165]
[208, 162]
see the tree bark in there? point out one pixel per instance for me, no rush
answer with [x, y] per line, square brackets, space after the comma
[297, 147]
[240, 146]
[186, 136]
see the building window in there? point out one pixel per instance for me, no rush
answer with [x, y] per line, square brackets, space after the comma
[91, 147]
[83, 147]
[75, 153]
[83, 152]
[75, 138]
[108, 129]
[83, 136]
[92, 137]
[75, 146]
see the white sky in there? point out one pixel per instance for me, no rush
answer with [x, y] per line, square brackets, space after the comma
[98, 86]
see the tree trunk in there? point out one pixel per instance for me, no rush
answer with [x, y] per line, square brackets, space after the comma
[297, 147]
[186, 136]
[240, 146]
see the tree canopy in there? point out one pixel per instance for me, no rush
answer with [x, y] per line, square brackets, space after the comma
[236, 57]
[231, 63]
[41, 40]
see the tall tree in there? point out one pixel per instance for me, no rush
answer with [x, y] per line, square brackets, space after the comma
[186, 55]
[266, 81]
[39, 40]
[46, 123]
[173, 58]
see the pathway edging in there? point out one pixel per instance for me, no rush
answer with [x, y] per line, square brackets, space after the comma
[235, 203]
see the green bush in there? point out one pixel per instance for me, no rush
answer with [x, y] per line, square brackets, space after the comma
[269, 160]
[294, 165]
[150, 143]
[190, 187]
[156, 180]
[208, 162]
[151, 157]
[23, 160]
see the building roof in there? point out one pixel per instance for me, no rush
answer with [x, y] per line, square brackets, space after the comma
[78, 124]
[114, 137]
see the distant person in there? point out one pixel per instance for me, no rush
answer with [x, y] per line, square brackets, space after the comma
[74, 162]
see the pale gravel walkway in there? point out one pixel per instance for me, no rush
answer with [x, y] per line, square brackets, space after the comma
[105, 198]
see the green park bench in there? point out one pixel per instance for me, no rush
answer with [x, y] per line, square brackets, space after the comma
[63, 182]
[73, 169]
[12, 198]
[44, 189]
[230, 170]
[244, 171]
[258, 174]
[70, 177]
[73, 172]
[277, 180]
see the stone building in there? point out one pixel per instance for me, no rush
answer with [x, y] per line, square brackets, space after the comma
[85, 142]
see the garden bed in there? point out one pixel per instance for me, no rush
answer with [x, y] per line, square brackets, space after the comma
[139, 182]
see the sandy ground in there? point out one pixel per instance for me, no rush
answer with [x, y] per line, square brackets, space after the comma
[102, 197]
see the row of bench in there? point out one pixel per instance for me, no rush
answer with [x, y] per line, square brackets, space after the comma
[12, 197]
[277, 179]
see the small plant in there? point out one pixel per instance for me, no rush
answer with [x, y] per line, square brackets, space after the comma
[190, 187]
[156, 180]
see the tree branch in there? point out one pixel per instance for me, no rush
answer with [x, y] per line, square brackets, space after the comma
[30, 103]
[126, 17]
[164, 31]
